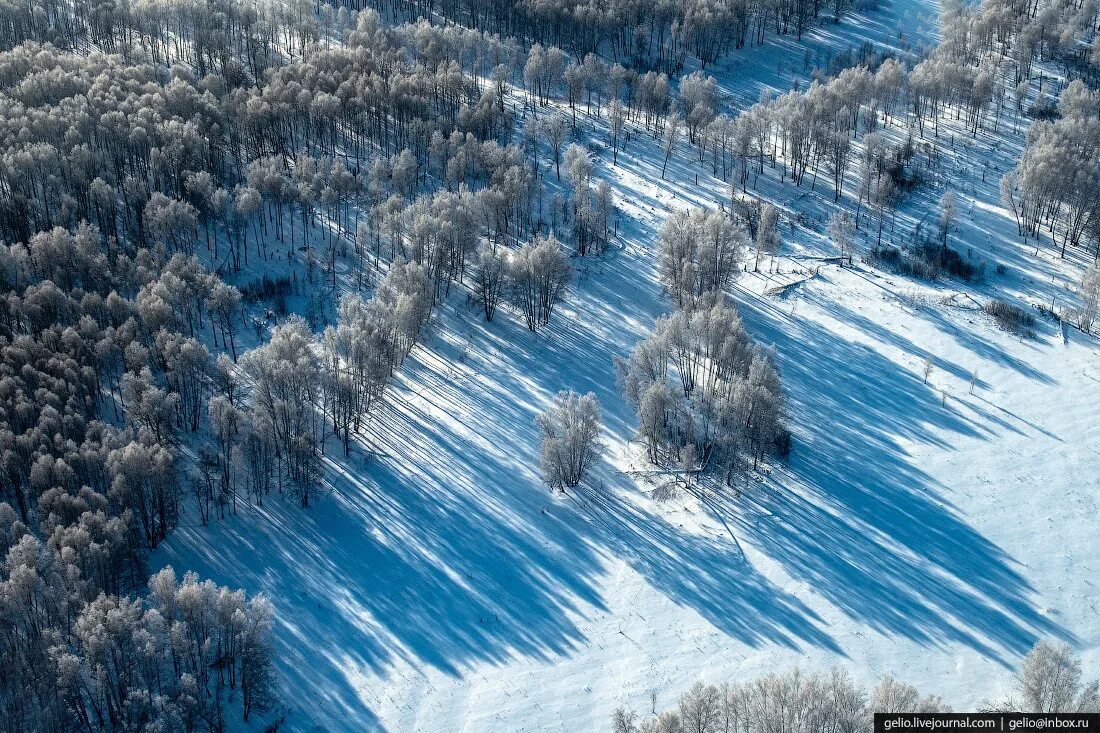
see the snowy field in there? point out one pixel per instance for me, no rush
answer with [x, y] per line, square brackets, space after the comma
[932, 529]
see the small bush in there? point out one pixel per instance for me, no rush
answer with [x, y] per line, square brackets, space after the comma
[1011, 318]
[667, 491]
[945, 260]
[926, 261]
[1046, 109]
[885, 256]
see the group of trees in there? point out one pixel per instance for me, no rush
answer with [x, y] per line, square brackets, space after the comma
[592, 203]
[1090, 298]
[301, 388]
[1049, 681]
[257, 129]
[986, 57]
[533, 278]
[643, 35]
[97, 661]
[872, 113]
[701, 254]
[199, 140]
[105, 138]
[104, 373]
[368, 343]
[1056, 185]
[708, 399]
[537, 274]
[816, 129]
[250, 39]
[165, 662]
[795, 702]
[388, 142]
[135, 178]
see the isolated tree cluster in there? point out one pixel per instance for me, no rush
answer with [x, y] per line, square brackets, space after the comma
[708, 399]
[570, 431]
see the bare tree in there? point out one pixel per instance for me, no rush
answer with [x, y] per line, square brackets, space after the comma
[672, 137]
[946, 215]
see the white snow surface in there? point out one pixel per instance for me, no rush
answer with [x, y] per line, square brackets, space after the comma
[927, 530]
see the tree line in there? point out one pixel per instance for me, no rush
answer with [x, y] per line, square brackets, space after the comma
[1049, 680]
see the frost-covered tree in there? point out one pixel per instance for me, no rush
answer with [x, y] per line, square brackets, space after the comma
[891, 696]
[150, 408]
[671, 139]
[841, 230]
[1058, 176]
[143, 479]
[489, 277]
[775, 702]
[701, 253]
[700, 385]
[224, 305]
[226, 425]
[1090, 297]
[698, 101]
[186, 364]
[700, 708]
[570, 438]
[767, 234]
[1049, 681]
[538, 274]
[616, 119]
[554, 129]
[286, 380]
[171, 222]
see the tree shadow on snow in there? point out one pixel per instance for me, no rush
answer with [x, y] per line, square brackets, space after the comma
[442, 549]
[863, 525]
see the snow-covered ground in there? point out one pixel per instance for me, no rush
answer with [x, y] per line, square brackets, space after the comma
[928, 529]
